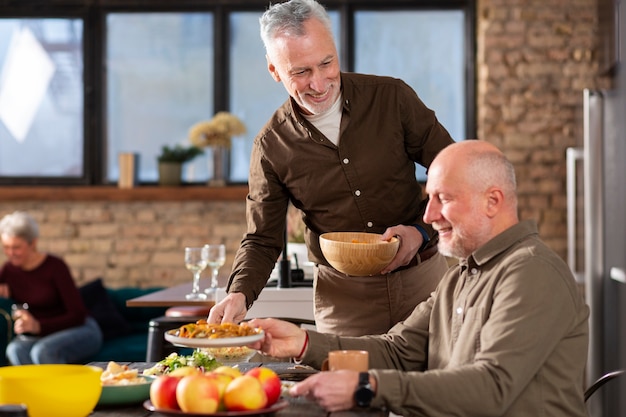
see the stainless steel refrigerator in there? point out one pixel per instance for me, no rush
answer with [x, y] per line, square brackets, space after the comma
[597, 239]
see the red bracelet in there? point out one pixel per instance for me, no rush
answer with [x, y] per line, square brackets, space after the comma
[306, 343]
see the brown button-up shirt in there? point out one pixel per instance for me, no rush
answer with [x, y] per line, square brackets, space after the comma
[505, 334]
[366, 183]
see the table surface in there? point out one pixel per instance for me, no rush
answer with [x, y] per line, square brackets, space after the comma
[173, 296]
[298, 407]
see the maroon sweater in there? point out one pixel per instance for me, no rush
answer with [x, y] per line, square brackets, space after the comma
[50, 292]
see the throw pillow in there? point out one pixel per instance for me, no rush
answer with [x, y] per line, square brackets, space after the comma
[103, 310]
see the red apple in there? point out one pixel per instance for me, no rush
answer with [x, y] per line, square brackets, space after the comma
[163, 392]
[222, 381]
[269, 381]
[198, 394]
[245, 393]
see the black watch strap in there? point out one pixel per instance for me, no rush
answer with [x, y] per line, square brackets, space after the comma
[363, 394]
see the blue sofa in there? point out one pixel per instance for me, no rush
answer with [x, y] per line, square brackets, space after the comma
[125, 329]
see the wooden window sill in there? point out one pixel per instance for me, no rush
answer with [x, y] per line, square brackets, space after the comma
[113, 193]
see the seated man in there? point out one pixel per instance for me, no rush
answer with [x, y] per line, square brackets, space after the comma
[504, 334]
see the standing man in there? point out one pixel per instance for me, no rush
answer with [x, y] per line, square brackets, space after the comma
[343, 150]
[505, 333]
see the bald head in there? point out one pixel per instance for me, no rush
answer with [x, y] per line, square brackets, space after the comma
[480, 164]
[471, 185]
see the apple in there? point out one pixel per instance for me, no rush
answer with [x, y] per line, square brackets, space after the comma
[245, 393]
[222, 381]
[228, 370]
[269, 381]
[197, 393]
[163, 392]
[184, 371]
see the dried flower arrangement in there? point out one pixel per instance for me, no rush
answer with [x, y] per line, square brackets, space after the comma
[217, 131]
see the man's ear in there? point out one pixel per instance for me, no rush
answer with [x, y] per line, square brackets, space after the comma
[272, 69]
[495, 199]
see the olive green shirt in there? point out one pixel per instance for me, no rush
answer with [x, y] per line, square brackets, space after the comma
[505, 334]
[367, 183]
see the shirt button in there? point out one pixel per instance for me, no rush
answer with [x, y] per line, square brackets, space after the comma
[474, 271]
[370, 224]
[357, 193]
[346, 161]
[459, 310]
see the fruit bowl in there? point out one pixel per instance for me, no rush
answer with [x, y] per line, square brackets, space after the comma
[356, 253]
[231, 354]
[51, 390]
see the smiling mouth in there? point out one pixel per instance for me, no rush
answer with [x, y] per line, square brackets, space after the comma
[319, 96]
[442, 230]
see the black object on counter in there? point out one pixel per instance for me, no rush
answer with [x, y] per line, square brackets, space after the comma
[284, 276]
[13, 410]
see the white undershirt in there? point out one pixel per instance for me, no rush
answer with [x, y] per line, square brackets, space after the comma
[328, 122]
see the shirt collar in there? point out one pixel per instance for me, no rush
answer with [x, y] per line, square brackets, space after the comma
[501, 243]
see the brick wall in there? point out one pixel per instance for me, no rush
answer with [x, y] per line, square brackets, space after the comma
[534, 59]
[134, 243]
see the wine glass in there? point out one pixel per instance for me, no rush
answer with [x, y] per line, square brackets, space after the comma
[16, 312]
[215, 260]
[196, 261]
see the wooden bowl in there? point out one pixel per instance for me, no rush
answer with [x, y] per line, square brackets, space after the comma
[358, 254]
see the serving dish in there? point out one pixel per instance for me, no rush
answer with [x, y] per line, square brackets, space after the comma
[358, 253]
[231, 354]
[202, 342]
[279, 405]
[127, 393]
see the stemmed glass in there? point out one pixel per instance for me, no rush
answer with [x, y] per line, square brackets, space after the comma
[196, 261]
[215, 260]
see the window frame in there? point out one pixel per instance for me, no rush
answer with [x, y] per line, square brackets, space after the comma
[94, 15]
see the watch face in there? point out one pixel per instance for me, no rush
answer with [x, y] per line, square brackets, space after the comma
[363, 396]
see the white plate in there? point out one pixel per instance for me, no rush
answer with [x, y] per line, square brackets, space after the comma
[171, 337]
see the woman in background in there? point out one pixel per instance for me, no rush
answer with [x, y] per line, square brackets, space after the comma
[55, 328]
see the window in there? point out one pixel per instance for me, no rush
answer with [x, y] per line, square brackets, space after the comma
[159, 78]
[87, 83]
[41, 98]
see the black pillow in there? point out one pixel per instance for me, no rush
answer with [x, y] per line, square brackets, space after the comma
[103, 310]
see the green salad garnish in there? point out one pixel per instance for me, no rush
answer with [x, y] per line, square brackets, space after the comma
[197, 359]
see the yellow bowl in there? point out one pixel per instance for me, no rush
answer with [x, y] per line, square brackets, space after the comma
[51, 390]
[358, 254]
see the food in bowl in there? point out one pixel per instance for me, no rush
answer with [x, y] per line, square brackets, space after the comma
[51, 390]
[231, 354]
[358, 253]
[122, 385]
[116, 374]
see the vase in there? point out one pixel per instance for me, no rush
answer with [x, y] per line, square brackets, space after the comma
[220, 166]
[170, 173]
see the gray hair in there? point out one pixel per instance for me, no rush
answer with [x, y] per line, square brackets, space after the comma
[288, 18]
[19, 224]
[493, 168]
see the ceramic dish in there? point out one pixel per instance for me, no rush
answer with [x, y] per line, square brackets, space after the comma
[279, 405]
[171, 337]
[126, 394]
[231, 354]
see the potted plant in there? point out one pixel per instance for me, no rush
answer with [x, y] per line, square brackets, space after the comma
[171, 162]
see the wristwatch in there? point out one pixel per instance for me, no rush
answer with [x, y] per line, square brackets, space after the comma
[363, 394]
